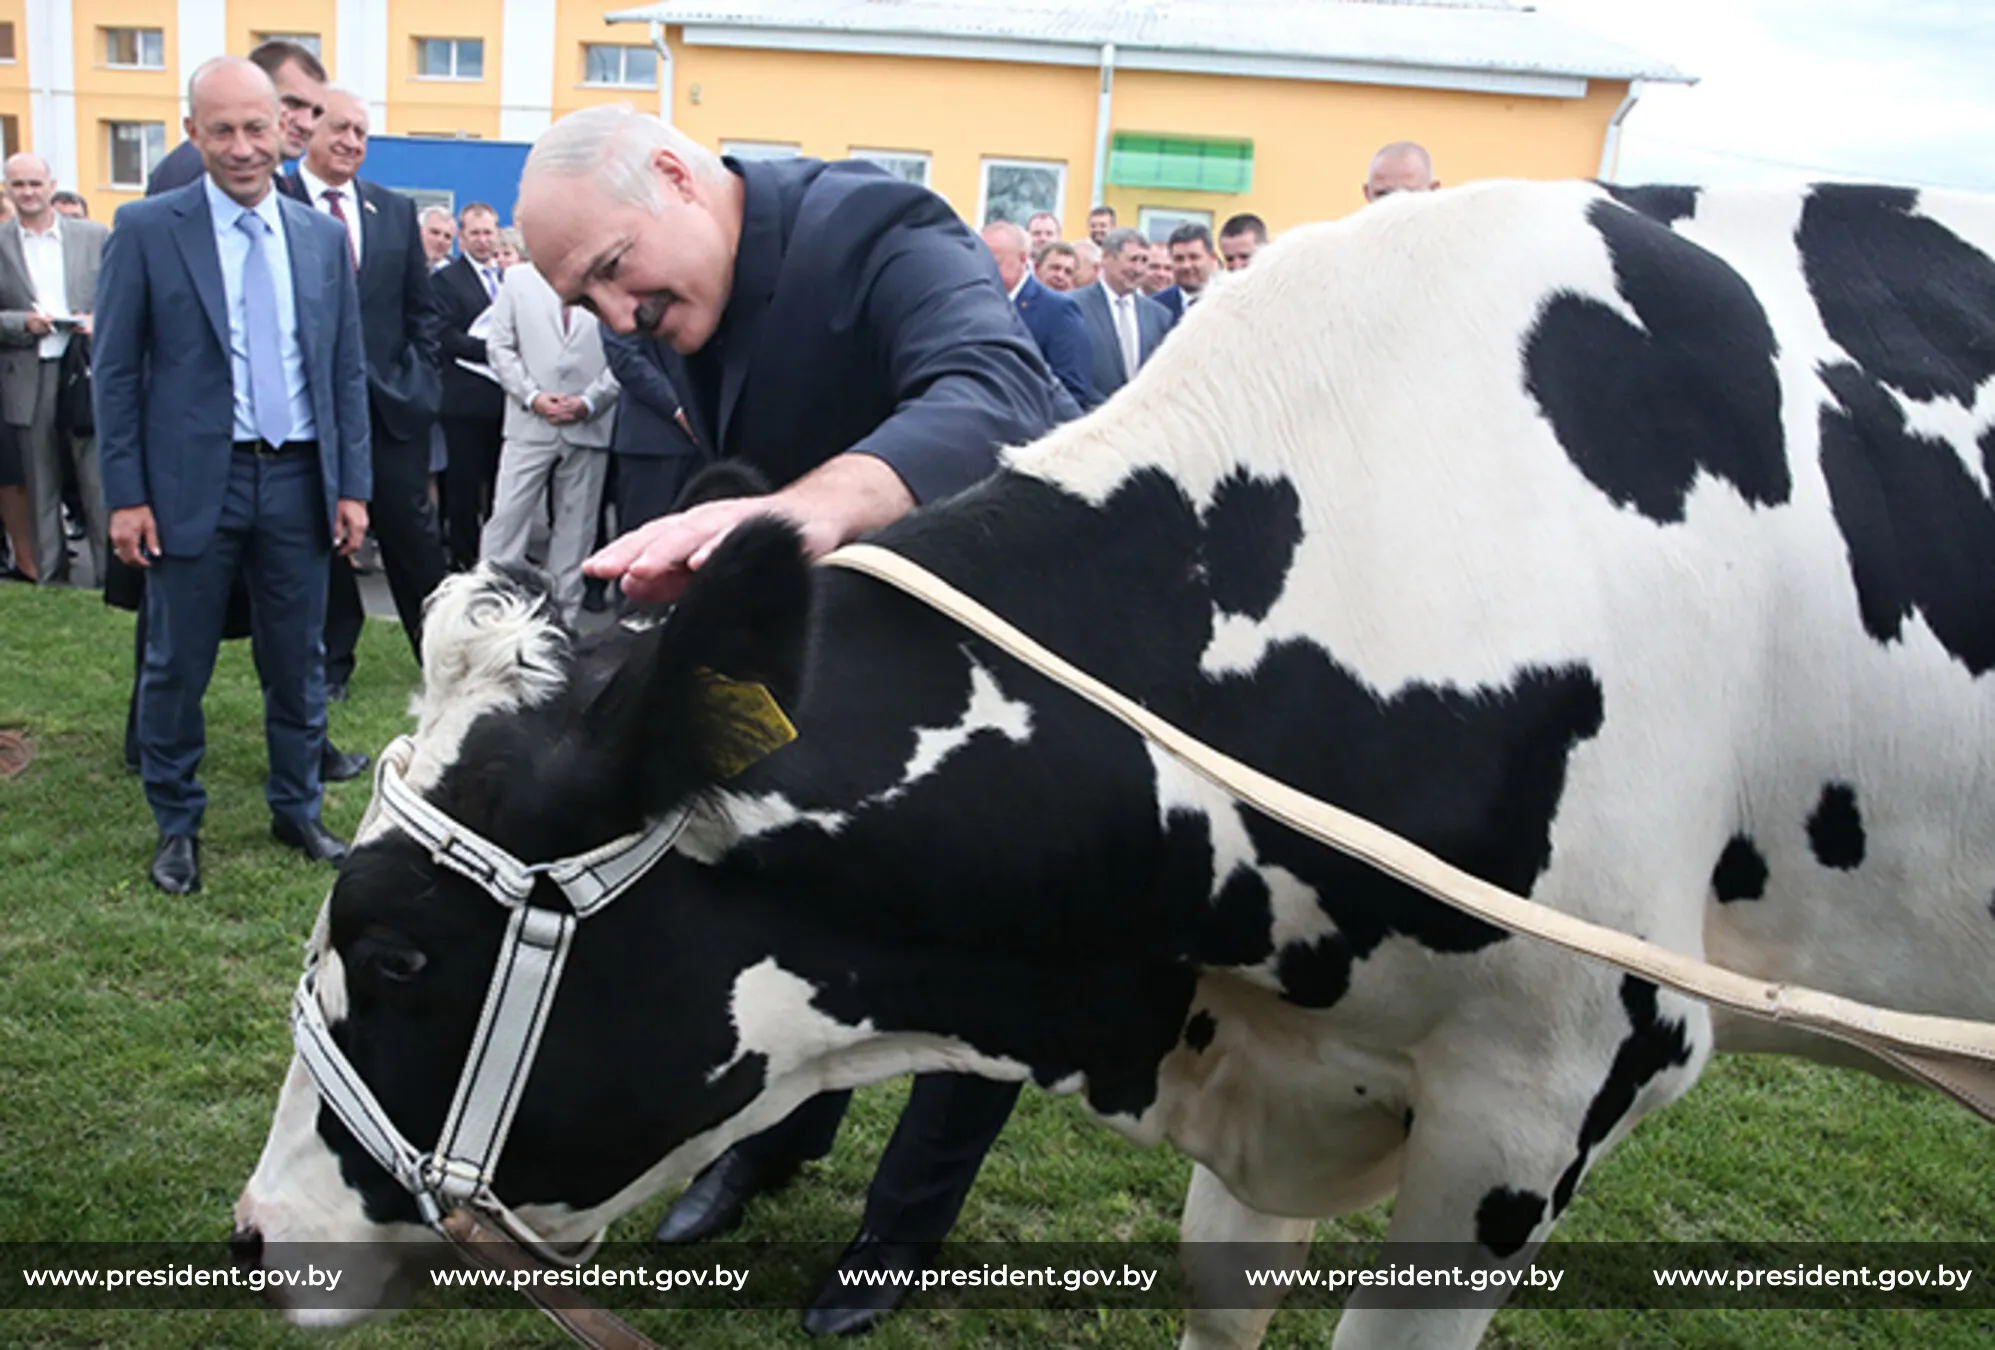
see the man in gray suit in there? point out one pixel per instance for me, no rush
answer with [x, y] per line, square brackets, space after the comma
[561, 399]
[48, 288]
[1124, 325]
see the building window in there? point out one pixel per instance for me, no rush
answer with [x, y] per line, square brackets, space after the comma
[911, 165]
[1182, 163]
[136, 147]
[10, 135]
[622, 67]
[761, 149]
[450, 58]
[6, 42]
[1019, 189]
[309, 41]
[1157, 222]
[135, 48]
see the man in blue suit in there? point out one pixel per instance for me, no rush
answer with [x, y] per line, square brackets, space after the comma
[841, 331]
[231, 402]
[1054, 320]
[1194, 262]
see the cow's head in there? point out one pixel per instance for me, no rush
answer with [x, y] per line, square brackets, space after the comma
[548, 747]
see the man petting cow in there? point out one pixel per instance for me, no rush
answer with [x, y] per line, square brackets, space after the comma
[739, 267]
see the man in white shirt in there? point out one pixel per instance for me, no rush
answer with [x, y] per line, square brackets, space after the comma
[48, 284]
[561, 400]
[1124, 325]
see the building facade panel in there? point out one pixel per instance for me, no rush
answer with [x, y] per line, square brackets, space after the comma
[444, 67]
[252, 21]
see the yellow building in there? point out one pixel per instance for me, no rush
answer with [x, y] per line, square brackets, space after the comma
[1195, 110]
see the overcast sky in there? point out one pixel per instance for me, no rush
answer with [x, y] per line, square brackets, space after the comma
[1894, 90]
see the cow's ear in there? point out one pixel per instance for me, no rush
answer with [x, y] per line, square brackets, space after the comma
[701, 694]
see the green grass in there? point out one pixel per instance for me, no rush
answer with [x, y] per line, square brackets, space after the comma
[142, 1040]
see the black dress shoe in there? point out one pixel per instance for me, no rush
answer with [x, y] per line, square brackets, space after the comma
[335, 691]
[847, 1306]
[314, 840]
[176, 864]
[337, 765]
[714, 1202]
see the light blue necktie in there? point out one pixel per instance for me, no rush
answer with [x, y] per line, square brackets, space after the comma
[270, 399]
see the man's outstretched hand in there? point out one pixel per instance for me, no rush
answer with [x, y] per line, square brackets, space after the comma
[837, 501]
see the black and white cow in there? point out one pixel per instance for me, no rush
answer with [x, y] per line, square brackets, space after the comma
[1631, 549]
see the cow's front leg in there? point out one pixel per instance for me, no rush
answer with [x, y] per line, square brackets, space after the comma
[1509, 1116]
[1213, 1216]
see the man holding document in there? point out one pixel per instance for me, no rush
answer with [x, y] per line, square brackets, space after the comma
[474, 408]
[48, 283]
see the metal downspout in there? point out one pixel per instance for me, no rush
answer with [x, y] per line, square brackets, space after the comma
[659, 45]
[1104, 118]
[1610, 148]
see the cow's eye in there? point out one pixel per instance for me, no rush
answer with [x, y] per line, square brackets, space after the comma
[388, 955]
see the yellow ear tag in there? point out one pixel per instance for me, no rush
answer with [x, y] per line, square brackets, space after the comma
[743, 723]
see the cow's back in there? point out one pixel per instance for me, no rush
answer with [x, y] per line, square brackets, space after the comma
[1726, 454]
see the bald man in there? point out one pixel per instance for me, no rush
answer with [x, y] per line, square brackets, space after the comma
[1402, 166]
[48, 287]
[1053, 319]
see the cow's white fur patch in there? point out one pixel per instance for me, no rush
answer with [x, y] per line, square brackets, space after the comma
[988, 710]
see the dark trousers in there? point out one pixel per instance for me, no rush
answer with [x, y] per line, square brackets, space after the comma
[404, 523]
[273, 526]
[468, 474]
[950, 1122]
[648, 485]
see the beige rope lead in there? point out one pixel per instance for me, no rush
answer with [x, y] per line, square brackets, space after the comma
[1957, 1057]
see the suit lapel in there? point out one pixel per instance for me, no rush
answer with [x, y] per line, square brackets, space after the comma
[307, 290]
[758, 262]
[194, 233]
[78, 281]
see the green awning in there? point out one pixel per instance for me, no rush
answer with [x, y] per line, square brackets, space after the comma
[1181, 162]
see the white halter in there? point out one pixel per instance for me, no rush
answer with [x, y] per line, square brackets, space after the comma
[525, 978]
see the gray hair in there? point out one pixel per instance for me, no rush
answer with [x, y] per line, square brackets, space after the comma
[434, 210]
[613, 144]
[510, 237]
[1117, 240]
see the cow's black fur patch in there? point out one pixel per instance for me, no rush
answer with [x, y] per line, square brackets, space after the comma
[1200, 1031]
[1641, 411]
[1251, 530]
[1663, 203]
[1919, 530]
[1741, 873]
[1506, 1218]
[1652, 1047]
[1835, 828]
[1912, 303]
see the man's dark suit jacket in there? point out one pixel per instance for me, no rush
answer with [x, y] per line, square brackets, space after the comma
[1105, 372]
[1172, 299]
[460, 299]
[398, 312]
[653, 435]
[865, 316]
[1054, 321]
[180, 167]
[164, 389]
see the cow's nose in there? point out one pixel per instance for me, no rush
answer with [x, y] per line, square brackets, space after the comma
[246, 1247]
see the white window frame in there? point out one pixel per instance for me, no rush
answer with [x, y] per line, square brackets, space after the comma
[762, 149]
[623, 80]
[139, 45]
[311, 42]
[989, 162]
[152, 149]
[456, 45]
[886, 159]
[1157, 222]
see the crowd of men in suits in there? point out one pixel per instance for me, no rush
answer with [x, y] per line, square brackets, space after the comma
[375, 373]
